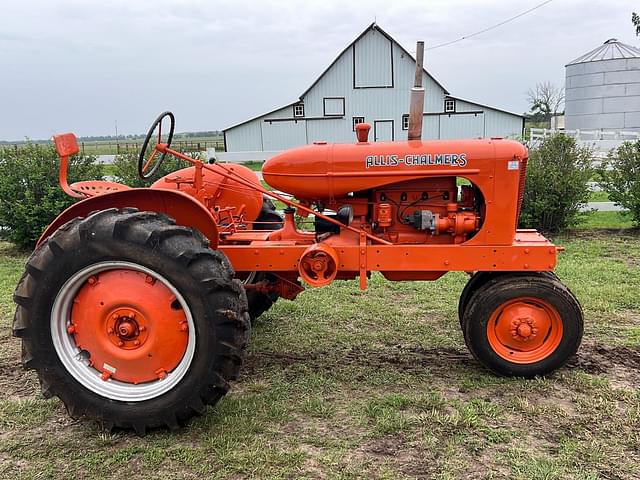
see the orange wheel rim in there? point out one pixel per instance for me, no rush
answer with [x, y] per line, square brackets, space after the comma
[524, 330]
[131, 324]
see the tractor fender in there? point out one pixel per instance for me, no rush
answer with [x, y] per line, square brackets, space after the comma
[183, 208]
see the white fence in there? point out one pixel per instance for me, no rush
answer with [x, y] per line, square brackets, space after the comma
[600, 141]
[239, 157]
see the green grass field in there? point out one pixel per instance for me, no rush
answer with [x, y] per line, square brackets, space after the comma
[378, 384]
[605, 220]
[599, 197]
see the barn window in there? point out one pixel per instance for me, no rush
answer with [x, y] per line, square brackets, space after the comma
[449, 105]
[298, 110]
[405, 122]
[356, 121]
[333, 106]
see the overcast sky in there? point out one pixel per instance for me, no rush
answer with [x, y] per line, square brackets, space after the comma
[82, 65]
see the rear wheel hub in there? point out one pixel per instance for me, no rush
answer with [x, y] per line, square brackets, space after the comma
[127, 328]
[130, 327]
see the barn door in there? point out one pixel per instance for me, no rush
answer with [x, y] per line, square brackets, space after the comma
[462, 125]
[278, 136]
[383, 130]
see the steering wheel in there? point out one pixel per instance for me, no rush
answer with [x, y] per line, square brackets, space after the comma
[143, 165]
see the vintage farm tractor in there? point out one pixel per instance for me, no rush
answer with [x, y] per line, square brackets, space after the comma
[137, 303]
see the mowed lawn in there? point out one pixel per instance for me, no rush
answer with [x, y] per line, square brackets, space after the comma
[346, 384]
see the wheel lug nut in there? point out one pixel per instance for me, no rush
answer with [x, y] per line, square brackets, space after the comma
[142, 328]
[149, 279]
[120, 343]
[136, 342]
[110, 331]
[184, 327]
[71, 329]
[92, 280]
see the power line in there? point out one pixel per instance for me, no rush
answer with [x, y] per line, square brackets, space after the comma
[490, 28]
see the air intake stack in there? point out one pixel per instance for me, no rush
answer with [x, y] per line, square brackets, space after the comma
[416, 107]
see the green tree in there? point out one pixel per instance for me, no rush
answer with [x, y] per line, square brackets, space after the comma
[546, 100]
[635, 19]
[620, 177]
[556, 187]
[30, 196]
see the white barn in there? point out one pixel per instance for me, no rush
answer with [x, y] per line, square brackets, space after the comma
[370, 81]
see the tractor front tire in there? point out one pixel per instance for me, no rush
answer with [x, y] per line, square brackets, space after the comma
[131, 320]
[480, 278]
[475, 281]
[523, 325]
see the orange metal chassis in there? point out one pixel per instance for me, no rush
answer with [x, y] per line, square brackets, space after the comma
[530, 251]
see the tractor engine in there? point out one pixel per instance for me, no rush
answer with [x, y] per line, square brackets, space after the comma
[413, 212]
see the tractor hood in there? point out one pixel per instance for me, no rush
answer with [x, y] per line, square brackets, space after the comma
[321, 170]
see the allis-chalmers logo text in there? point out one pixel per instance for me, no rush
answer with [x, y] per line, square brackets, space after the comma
[451, 159]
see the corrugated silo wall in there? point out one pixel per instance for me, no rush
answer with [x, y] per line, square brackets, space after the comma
[603, 95]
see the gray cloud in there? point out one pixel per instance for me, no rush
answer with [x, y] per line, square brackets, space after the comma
[81, 65]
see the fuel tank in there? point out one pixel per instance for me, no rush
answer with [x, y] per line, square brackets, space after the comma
[219, 191]
[323, 170]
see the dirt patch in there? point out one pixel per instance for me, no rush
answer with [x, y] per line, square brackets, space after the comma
[621, 365]
[385, 446]
[398, 356]
[406, 456]
[15, 382]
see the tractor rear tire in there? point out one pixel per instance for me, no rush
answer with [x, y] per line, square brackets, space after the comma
[175, 305]
[523, 324]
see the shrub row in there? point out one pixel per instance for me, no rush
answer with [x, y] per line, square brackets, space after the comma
[557, 182]
[556, 187]
[30, 197]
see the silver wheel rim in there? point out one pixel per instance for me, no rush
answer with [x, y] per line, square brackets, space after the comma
[76, 363]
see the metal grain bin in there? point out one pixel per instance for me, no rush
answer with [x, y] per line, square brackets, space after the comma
[603, 89]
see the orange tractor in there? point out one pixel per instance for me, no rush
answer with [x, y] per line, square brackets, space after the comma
[137, 303]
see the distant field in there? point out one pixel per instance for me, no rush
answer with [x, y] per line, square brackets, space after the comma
[599, 197]
[111, 147]
[608, 220]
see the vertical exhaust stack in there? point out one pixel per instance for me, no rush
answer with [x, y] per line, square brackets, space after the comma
[416, 106]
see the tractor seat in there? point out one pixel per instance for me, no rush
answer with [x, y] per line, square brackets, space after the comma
[93, 188]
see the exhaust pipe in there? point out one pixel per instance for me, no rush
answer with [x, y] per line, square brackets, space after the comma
[416, 106]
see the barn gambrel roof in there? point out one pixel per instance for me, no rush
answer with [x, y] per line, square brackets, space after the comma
[376, 27]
